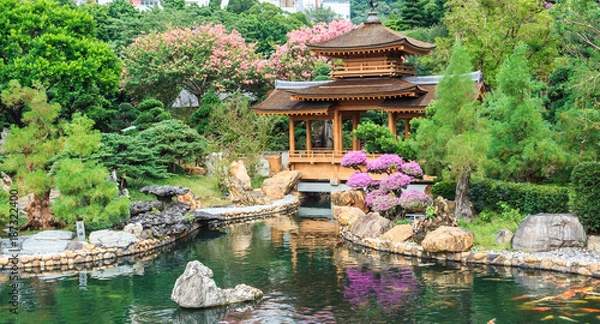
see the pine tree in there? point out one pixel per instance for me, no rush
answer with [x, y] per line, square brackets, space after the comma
[453, 141]
[523, 146]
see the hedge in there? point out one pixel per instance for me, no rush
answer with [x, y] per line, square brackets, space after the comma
[528, 198]
[585, 195]
[444, 188]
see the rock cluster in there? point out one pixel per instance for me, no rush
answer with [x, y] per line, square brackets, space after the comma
[280, 184]
[240, 188]
[195, 288]
[350, 198]
[444, 217]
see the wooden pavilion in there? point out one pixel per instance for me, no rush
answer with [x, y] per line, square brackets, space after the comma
[373, 75]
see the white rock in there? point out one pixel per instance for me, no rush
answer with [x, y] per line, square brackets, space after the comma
[109, 238]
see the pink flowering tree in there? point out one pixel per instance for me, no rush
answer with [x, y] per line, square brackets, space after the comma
[293, 61]
[387, 196]
[160, 65]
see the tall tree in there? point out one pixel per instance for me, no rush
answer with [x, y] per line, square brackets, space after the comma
[453, 140]
[522, 146]
[32, 149]
[159, 65]
[490, 30]
[44, 42]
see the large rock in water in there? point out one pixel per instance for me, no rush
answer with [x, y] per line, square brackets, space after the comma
[448, 239]
[280, 184]
[346, 215]
[195, 288]
[547, 232]
[351, 198]
[372, 225]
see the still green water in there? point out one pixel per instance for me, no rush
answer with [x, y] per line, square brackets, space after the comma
[308, 276]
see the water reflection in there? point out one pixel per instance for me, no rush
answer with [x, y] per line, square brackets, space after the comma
[308, 275]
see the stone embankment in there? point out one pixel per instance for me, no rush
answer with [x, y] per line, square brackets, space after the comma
[572, 260]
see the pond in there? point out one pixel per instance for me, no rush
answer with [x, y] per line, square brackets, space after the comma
[308, 276]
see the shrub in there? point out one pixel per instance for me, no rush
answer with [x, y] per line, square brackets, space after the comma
[528, 198]
[586, 194]
[444, 188]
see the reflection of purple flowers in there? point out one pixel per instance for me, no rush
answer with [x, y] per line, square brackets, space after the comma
[412, 169]
[385, 164]
[354, 159]
[395, 182]
[359, 180]
[413, 200]
[393, 290]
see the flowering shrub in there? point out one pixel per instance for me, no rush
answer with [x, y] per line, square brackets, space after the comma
[359, 180]
[386, 163]
[354, 159]
[385, 195]
[413, 200]
[395, 182]
[412, 169]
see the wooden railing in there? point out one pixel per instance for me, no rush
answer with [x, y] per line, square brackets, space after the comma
[370, 68]
[320, 154]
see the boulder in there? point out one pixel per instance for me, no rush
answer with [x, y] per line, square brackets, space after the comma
[165, 194]
[190, 199]
[134, 228]
[54, 235]
[400, 233]
[352, 198]
[448, 239]
[346, 215]
[75, 246]
[548, 232]
[195, 288]
[109, 238]
[139, 207]
[33, 246]
[503, 236]
[372, 225]
[280, 184]
[593, 243]
[237, 170]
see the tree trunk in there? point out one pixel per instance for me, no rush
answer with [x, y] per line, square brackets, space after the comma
[463, 206]
[39, 214]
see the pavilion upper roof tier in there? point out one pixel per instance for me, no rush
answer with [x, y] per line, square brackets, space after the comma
[370, 37]
[358, 89]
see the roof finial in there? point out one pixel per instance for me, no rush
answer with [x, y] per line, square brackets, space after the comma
[373, 4]
[372, 18]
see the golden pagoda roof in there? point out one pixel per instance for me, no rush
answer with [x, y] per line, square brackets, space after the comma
[358, 89]
[370, 37]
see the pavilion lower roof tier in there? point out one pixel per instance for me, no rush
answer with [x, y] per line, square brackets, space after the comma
[279, 103]
[370, 37]
[358, 89]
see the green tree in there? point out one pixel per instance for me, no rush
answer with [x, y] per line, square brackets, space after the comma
[85, 192]
[131, 158]
[239, 6]
[44, 42]
[173, 141]
[522, 146]
[320, 14]
[151, 111]
[379, 139]
[453, 140]
[32, 149]
[490, 30]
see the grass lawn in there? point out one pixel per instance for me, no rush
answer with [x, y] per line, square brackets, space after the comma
[205, 188]
[483, 232]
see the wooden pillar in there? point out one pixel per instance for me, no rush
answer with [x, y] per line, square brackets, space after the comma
[355, 141]
[308, 136]
[406, 127]
[292, 138]
[337, 131]
[392, 124]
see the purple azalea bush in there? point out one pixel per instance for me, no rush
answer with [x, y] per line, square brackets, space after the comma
[384, 203]
[359, 180]
[354, 159]
[412, 169]
[386, 163]
[395, 182]
[413, 200]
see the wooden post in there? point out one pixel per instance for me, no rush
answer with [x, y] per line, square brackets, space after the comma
[355, 141]
[337, 132]
[392, 124]
[308, 137]
[406, 127]
[292, 139]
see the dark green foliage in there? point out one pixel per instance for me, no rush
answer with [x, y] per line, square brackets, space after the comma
[239, 6]
[131, 158]
[174, 141]
[379, 139]
[151, 111]
[320, 15]
[444, 188]
[417, 13]
[528, 198]
[585, 195]
[126, 116]
[201, 117]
